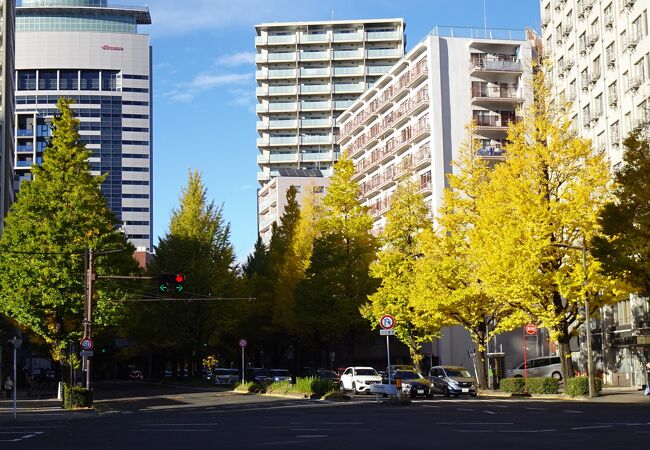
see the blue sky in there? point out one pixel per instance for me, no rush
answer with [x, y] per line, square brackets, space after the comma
[204, 85]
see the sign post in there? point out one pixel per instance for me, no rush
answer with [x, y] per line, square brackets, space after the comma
[242, 343]
[17, 342]
[387, 322]
[529, 330]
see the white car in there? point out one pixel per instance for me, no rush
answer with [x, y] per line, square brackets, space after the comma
[359, 379]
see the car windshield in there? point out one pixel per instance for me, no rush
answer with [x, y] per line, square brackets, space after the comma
[232, 371]
[326, 374]
[458, 373]
[260, 372]
[406, 374]
[280, 373]
[221, 372]
[366, 372]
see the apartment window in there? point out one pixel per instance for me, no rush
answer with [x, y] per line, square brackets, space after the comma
[47, 80]
[586, 115]
[297, 188]
[425, 180]
[642, 112]
[109, 80]
[582, 43]
[26, 80]
[614, 133]
[594, 28]
[637, 28]
[608, 15]
[318, 189]
[572, 90]
[610, 55]
[598, 105]
[69, 80]
[612, 94]
[595, 67]
[628, 121]
[600, 141]
[584, 79]
[639, 70]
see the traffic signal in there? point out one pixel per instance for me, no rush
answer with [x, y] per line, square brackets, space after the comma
[170, 283]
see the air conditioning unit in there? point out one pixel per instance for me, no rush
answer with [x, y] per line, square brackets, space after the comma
[591, 40]
[611, 61]
[634, 83]
[613, 101]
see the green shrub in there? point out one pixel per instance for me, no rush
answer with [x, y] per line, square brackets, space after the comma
[513, 385]
[579, 386]
[322, 387]
[77, 397]
[542, 385]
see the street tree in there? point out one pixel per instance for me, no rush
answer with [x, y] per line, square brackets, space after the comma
[447, 288]
[543, 206]
[406, 219]
[58, 216]
[624, 251]
[197, 245]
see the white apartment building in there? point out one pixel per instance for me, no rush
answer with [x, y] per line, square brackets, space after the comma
[7, 58]
[412, 122]
[600, 51]
[307, 74]
[92, 52]
[273, 199]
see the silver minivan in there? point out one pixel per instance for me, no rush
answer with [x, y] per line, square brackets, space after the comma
[544, 367]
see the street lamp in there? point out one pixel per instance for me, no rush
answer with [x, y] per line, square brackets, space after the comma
[590, 359]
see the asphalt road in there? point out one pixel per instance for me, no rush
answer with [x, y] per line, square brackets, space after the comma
[143, 416]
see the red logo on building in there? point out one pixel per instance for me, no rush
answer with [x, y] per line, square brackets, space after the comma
[111, 47]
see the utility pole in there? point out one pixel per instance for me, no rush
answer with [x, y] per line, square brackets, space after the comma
[88, 310]
[590, 357]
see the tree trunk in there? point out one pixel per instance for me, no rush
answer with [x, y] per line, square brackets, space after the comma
[567, 362]
[479, 364]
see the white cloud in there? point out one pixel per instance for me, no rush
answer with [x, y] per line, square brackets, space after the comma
[203, 82]
[236, 59]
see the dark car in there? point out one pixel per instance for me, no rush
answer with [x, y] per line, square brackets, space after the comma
[278, 375]
[225, 377]
[452, 380]
[413, 383]
[258, 375]
[324, 374]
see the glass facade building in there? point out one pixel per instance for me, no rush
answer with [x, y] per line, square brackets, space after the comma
[104, 64]
[7, 14]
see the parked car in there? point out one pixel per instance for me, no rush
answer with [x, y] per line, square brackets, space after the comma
[392, 368]
[544, 367]
[359, 379]
[452, 380]
[413, 383]
[225, 377]
[136, 375]
[278, 375]
[325, 374]
[258, 375]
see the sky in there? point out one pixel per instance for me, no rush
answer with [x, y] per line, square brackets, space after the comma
[204, 85]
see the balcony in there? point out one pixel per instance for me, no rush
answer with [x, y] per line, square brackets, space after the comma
[347, 54]
[342, 104]
[318, 72]
[267, 141]
[25, 132]
[282, 124]
[316, 139]
[379, 207]
[382, 35]
[348, 37]
[314, 38]
[348, 71]
[377, 70]
[319, 157]
[632, 41]
[383, 53]
[492, 152]
[634, 83]
[496, 94]
[280, 57]
[349, 87]
[314, 56]
[315, 106]
[24, 148]
[315, 89]
[284, 157]
[316, 123]
[421, 158]
[275, 90]
[425, 188]
[281, 73]
[281, 39]
[494, 122]
[494, 64]
[276, 107]
[24, 164]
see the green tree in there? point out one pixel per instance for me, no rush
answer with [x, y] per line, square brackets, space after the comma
[624, 251]
[56, 217]
[407, 217]
[543, 205]
[197, 245]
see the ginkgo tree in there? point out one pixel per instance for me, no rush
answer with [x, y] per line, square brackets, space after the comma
[541, 206]
[406, 219]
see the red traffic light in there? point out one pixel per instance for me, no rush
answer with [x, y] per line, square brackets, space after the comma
[179, 278]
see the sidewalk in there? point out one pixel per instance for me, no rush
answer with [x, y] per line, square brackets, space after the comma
[607, 395]
[41, 400]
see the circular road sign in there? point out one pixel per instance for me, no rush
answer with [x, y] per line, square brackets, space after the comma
[387, 322]
[531, 329]
[243, 342]
[86, 344]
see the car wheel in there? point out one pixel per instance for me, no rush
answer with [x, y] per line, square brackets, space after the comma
[445, 391]
[473, 395]
[429, 395]
[341, 387]
[557, 376]
[354, 388]
[456, 395]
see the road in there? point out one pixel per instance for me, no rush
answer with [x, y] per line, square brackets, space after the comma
[143, 416]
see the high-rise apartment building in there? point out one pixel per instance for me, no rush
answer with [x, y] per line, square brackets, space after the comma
[7, 58]
[412, 122]
[308, 73]
[600, 50]
[92, 52]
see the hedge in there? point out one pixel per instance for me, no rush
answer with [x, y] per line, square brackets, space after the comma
[77, 397]
[579, 386]
[531, 385]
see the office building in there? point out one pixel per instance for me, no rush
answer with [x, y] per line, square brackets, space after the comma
[308, 73]
[7, 58]
[92, 52]
[600, 51]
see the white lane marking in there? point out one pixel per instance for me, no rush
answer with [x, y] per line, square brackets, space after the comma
[475, 431]
[11, 440]
[29, 428]
[592, 427]
[431, 406]
[175, 430]
[527, 431]
[339, 423]
[474, 423]
[177, 424]
[490, 412]
[536, 409]
[464, 409]
[571, 411]
[311, 435]
[312, 429]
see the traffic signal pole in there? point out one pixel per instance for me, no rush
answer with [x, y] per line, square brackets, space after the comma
[88, 310]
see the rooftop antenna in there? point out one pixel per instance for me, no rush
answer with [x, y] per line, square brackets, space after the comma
[485, 17]
[332, 15]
